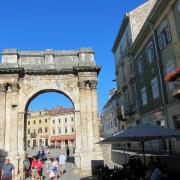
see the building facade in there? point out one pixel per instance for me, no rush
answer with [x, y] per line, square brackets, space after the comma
[55, 128]
[109, 121]
[38, 129]
[133, 21]
[62, 125]
[155, 55]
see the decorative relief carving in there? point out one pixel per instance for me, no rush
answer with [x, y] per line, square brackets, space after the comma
[15, 87]
[71, 85]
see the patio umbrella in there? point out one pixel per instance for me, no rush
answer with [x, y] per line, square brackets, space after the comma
[142, 133]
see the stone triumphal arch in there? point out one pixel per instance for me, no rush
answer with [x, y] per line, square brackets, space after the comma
[24, 74]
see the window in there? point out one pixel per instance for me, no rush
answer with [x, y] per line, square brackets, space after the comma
[59, 120]
[46, 129]
[131, 65]
[155, 89]
[164, 36]
[150, 52]
[65, 120]
[144, 96]
[72, 119]
[72, 129]
[65, 130]
[28, 122]
[53, 131]
[40, 130]
[59, 130]
[34, 122]
[39, 121]
[28, 131]
[40, 113]
[53, 121]
[45, 120]
[34, 130]
[140, 65]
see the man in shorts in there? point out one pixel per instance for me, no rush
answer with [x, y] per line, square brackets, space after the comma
[62, 160]
[8, 171]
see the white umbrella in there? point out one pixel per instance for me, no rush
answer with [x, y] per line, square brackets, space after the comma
[142, 133]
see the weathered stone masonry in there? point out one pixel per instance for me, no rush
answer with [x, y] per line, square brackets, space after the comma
[26, 74]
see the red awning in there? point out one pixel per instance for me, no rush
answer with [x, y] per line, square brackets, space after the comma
[62, 137]
[173, 75]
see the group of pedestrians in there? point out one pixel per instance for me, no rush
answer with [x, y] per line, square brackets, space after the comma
[40, 167]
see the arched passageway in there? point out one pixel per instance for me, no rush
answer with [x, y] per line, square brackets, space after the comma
[25, 74]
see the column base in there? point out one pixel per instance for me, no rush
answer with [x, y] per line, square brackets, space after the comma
[87, 161]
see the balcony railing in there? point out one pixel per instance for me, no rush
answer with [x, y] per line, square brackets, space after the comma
[33, 135]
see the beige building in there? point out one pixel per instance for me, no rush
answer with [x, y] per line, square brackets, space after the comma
[38, 128]
[62, 127]
[109, 121]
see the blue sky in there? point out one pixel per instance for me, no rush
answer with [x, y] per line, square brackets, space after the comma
[65, 25]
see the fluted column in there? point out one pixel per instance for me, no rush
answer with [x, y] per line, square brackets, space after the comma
[89, 115]
[95, 116]
[8, 129]
[78, 130]
[3, 115]
[14, 120]
[20, 124]
[83, 121]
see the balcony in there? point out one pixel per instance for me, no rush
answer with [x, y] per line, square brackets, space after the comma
[33, 135]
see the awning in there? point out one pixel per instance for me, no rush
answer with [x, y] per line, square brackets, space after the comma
[62, 137]
[173, 75]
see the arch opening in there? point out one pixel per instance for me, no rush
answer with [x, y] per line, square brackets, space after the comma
[49, 121]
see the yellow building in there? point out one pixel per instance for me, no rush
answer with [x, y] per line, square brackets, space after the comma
[38, 128]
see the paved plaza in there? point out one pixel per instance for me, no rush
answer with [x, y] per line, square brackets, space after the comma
[69, 166]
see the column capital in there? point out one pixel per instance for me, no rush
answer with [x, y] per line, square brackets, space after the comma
[82, 84]
[93, 84]
[2, 88]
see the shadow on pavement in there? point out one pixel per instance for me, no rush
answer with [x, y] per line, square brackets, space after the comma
[88, 178]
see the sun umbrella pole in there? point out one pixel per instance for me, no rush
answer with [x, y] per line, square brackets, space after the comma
[143, 151]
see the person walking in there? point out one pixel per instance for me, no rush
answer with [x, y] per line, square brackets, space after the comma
[62, 160]
[39, 165]
[26, 167]
[55, 166]
[8, 170]
[48, 167]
